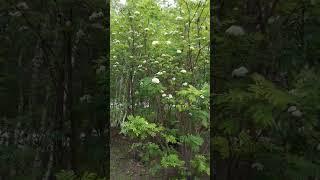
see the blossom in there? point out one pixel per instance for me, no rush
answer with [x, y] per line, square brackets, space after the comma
[155, 43]
[235, 30]
[173, 79]
[294, 111]
[85, 98]
[80, 33]
[184, 84]
[170, 96]
[137, 13]
[22, 5]
[82, 135]
[155, 80]
[95, 15]
[202, 97]
[159, 73]
[183, 71]
[164, 95]
[146, 29]
[240, 72]
[15, 14]
[292, 108]
[179, 18]
[179, 51]
[257, 166]
[144, 61]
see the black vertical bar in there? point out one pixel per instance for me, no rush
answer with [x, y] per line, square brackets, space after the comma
[212, 88]
[108, 91]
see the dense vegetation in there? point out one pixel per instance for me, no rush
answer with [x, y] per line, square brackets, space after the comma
[266, 101]
[54, 74]
[160, 83]
[53, 88]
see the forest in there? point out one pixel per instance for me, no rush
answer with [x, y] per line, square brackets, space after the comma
[266, 90]
[159, 96]
[159, 89]
[53, 86]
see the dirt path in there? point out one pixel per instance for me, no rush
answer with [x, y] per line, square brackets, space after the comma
[122, 166]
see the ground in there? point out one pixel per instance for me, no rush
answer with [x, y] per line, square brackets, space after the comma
[122, 164]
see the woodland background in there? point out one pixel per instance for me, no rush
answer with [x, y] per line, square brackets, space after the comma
[264, 75]
[53, 88]
[266, 90]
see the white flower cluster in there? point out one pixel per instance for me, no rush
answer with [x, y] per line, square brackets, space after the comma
[86, 98]
[15, 14]
[136, 13]
[95, 15]
[80, 33]
[235, 30]
[240, 72]
[257, 166]
[22, 5]
[294, 111]
[155, 80]
[183, 71]
[179, 18]
[169, 96]
[155, 43]
[160, 73]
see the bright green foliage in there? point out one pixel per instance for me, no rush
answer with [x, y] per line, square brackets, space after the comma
[171, 160]
[160, 69]
[200, 164]
[138, 127]
[194, 141]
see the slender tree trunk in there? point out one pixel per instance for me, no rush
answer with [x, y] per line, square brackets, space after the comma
[69, 100]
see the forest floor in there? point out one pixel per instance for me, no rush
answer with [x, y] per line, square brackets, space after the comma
[122, 164]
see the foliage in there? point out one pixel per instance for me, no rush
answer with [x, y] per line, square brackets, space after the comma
[266, 90]
[160, 66]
